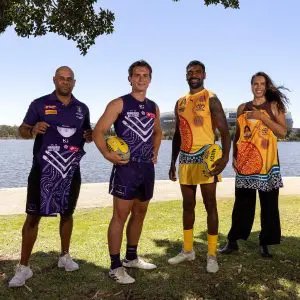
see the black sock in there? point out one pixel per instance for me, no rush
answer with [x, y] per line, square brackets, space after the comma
[115, 261]
[131, 252]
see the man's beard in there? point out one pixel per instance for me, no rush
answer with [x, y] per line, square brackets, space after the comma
[195, 83]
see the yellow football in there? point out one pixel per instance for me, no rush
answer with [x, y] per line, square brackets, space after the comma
[116, 144]
[211, 154]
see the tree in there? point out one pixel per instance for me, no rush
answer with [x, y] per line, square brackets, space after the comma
[75, 20]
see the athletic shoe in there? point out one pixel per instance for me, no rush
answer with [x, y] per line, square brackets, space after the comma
[120, 275]
[21, 275]
[67, 263]
[230, 247]
[139, 264]
[212, 264]
[182, 256]
[264, 251]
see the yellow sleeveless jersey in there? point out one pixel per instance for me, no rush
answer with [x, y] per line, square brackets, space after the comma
[257, 162]
[197, 134]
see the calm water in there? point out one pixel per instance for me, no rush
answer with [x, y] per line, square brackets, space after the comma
[16, 158]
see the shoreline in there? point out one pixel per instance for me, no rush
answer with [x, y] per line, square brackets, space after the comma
[94, 195]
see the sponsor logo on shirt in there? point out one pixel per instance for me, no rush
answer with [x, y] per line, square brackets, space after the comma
[53, 148]
[150, 115]
[135, 114]
[50, 112]
[73, 148]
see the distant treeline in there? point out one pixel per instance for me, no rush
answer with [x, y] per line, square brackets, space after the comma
[11, 132]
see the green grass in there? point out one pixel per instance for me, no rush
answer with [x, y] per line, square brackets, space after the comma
[242, 276]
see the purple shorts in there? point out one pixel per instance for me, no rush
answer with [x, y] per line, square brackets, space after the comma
[132, 181]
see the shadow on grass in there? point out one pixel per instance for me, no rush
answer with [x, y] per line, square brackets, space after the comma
[244, 275]
[49, 282]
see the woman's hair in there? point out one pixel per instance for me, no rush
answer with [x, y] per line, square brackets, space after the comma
[274, 93]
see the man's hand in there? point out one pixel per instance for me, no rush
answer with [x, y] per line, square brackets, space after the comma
[154, 157]
[88, 135]
[172, 172]
[115, 158]
[39, 128]
[219, 165]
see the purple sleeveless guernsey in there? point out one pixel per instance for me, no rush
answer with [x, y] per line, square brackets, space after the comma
[135, 126]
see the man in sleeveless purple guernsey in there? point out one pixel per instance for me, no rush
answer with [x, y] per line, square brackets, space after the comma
[61, 125]
[136, 121]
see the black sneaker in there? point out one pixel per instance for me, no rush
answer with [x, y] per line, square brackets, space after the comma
[264, 251]
[229, 248]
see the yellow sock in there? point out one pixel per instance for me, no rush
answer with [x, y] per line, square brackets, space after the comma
[212, 244]
[188, 240]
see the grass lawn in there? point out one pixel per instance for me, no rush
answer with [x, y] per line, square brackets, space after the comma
[242, 276]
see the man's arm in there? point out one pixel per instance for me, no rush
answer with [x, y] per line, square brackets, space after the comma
[32, 124]
[176, 142]
[105, 122]
[219, 119]
[157, 135]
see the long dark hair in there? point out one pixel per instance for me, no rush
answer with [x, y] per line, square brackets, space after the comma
[274, 93]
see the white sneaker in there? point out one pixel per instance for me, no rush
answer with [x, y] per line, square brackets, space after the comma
[21, 275]
[120, 275]
[182, 256]
[67, 263]
[212, 264]
[138, 263]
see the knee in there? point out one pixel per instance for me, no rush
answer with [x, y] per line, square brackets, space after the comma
[211, 207]
[32, 222]
[120, 216]
[66, 219]
[139, 214]
[189, 206]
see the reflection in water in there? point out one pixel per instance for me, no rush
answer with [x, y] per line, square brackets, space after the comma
[16, 159]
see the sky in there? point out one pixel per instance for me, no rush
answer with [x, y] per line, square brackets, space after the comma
[263, 35]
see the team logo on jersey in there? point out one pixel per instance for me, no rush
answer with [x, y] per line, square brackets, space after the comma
[199, 105]
[142, 106]
[79, 114]
[150, 115]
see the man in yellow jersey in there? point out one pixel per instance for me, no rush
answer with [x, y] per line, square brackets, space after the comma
[197, 116]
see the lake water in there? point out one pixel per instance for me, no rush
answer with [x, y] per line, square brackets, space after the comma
[16, 159]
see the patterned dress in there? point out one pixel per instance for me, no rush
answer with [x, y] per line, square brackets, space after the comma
[257, 154]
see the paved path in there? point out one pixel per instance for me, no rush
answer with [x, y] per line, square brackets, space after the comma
[12, 200]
